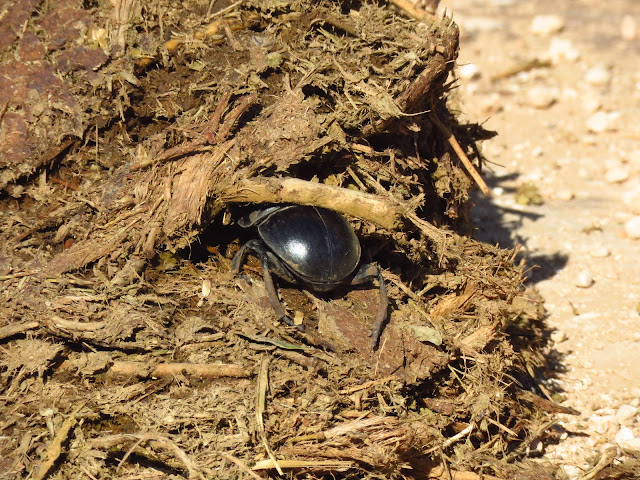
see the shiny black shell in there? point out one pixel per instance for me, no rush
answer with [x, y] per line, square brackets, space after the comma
[317, 245]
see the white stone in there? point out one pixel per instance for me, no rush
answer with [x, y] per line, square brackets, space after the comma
[624, 435]
[598, 76]
[626, 412]
[542, 97]
[572, 471]
[602, 424]
[564, 195]
[600, 252]
[562, 49]
[628, 28]
[632, 228]
[558, 336]
[535, 448]
[469, 71]
[602, 122]
[584, 279]
[547, 25]
[632, 199]
[591, 101]
[616, 174]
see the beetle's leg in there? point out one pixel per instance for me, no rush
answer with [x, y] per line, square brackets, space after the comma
[268, 261]
[367, 273]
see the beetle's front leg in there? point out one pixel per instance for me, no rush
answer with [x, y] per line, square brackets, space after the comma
[367, 273]
[257, 247]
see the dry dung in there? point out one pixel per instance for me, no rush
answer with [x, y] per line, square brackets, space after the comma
[134, 135]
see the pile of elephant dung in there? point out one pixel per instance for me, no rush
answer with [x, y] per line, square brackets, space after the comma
[130, 349]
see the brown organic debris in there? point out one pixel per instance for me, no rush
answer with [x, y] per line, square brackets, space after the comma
[159, 124]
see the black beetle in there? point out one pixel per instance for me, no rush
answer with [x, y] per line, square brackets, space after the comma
[311, 246]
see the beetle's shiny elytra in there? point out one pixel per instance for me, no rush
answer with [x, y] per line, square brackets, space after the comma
[317, 245]
[312, 246]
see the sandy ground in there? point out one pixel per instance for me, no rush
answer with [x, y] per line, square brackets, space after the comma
[569, 128]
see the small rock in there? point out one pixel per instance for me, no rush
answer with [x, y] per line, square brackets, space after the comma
[626, 412]
[632, 228]
[572, 471]
[598, 76]
[635, 402]
[600, 252]
[602, 424]
[591, 101]
[616, 175]
[562, 49]
[632, 199]
[602, 122]
[624, 435]
[564, 195]
[628, 28]
[584, 279]
[469, 71]
[535, 448]
[547, 25]
[542, 97]
[558, 337]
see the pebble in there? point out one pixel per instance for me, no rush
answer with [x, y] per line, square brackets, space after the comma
[547, 25]
[584, 279]
[469, 71]
[564, 195]
[632, 228]
[535, 448]
[600, 252]
[572, 471]
[598, 76]
[628, 28]
[562, 49]
[558, 336]
[626, 438]
[591, 101]
[632, 199]
[602, 424]
[616, 174]
[602, 122]
[542, 97]
[625, 412]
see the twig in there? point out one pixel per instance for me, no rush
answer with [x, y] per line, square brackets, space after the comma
[261, 405]
[471, 169]
[608, 456]
[452, 440]
[209, 370]
[234, 115]
[166, 443]
[241, 465]
[11, 330]
[501, 426]
[225, 10]
[431, 231]
[323, 464]
[214, 121]
[371, 383]
[55, 448]
[382, 211]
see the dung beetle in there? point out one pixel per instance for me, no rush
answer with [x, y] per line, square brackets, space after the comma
[310, 246]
